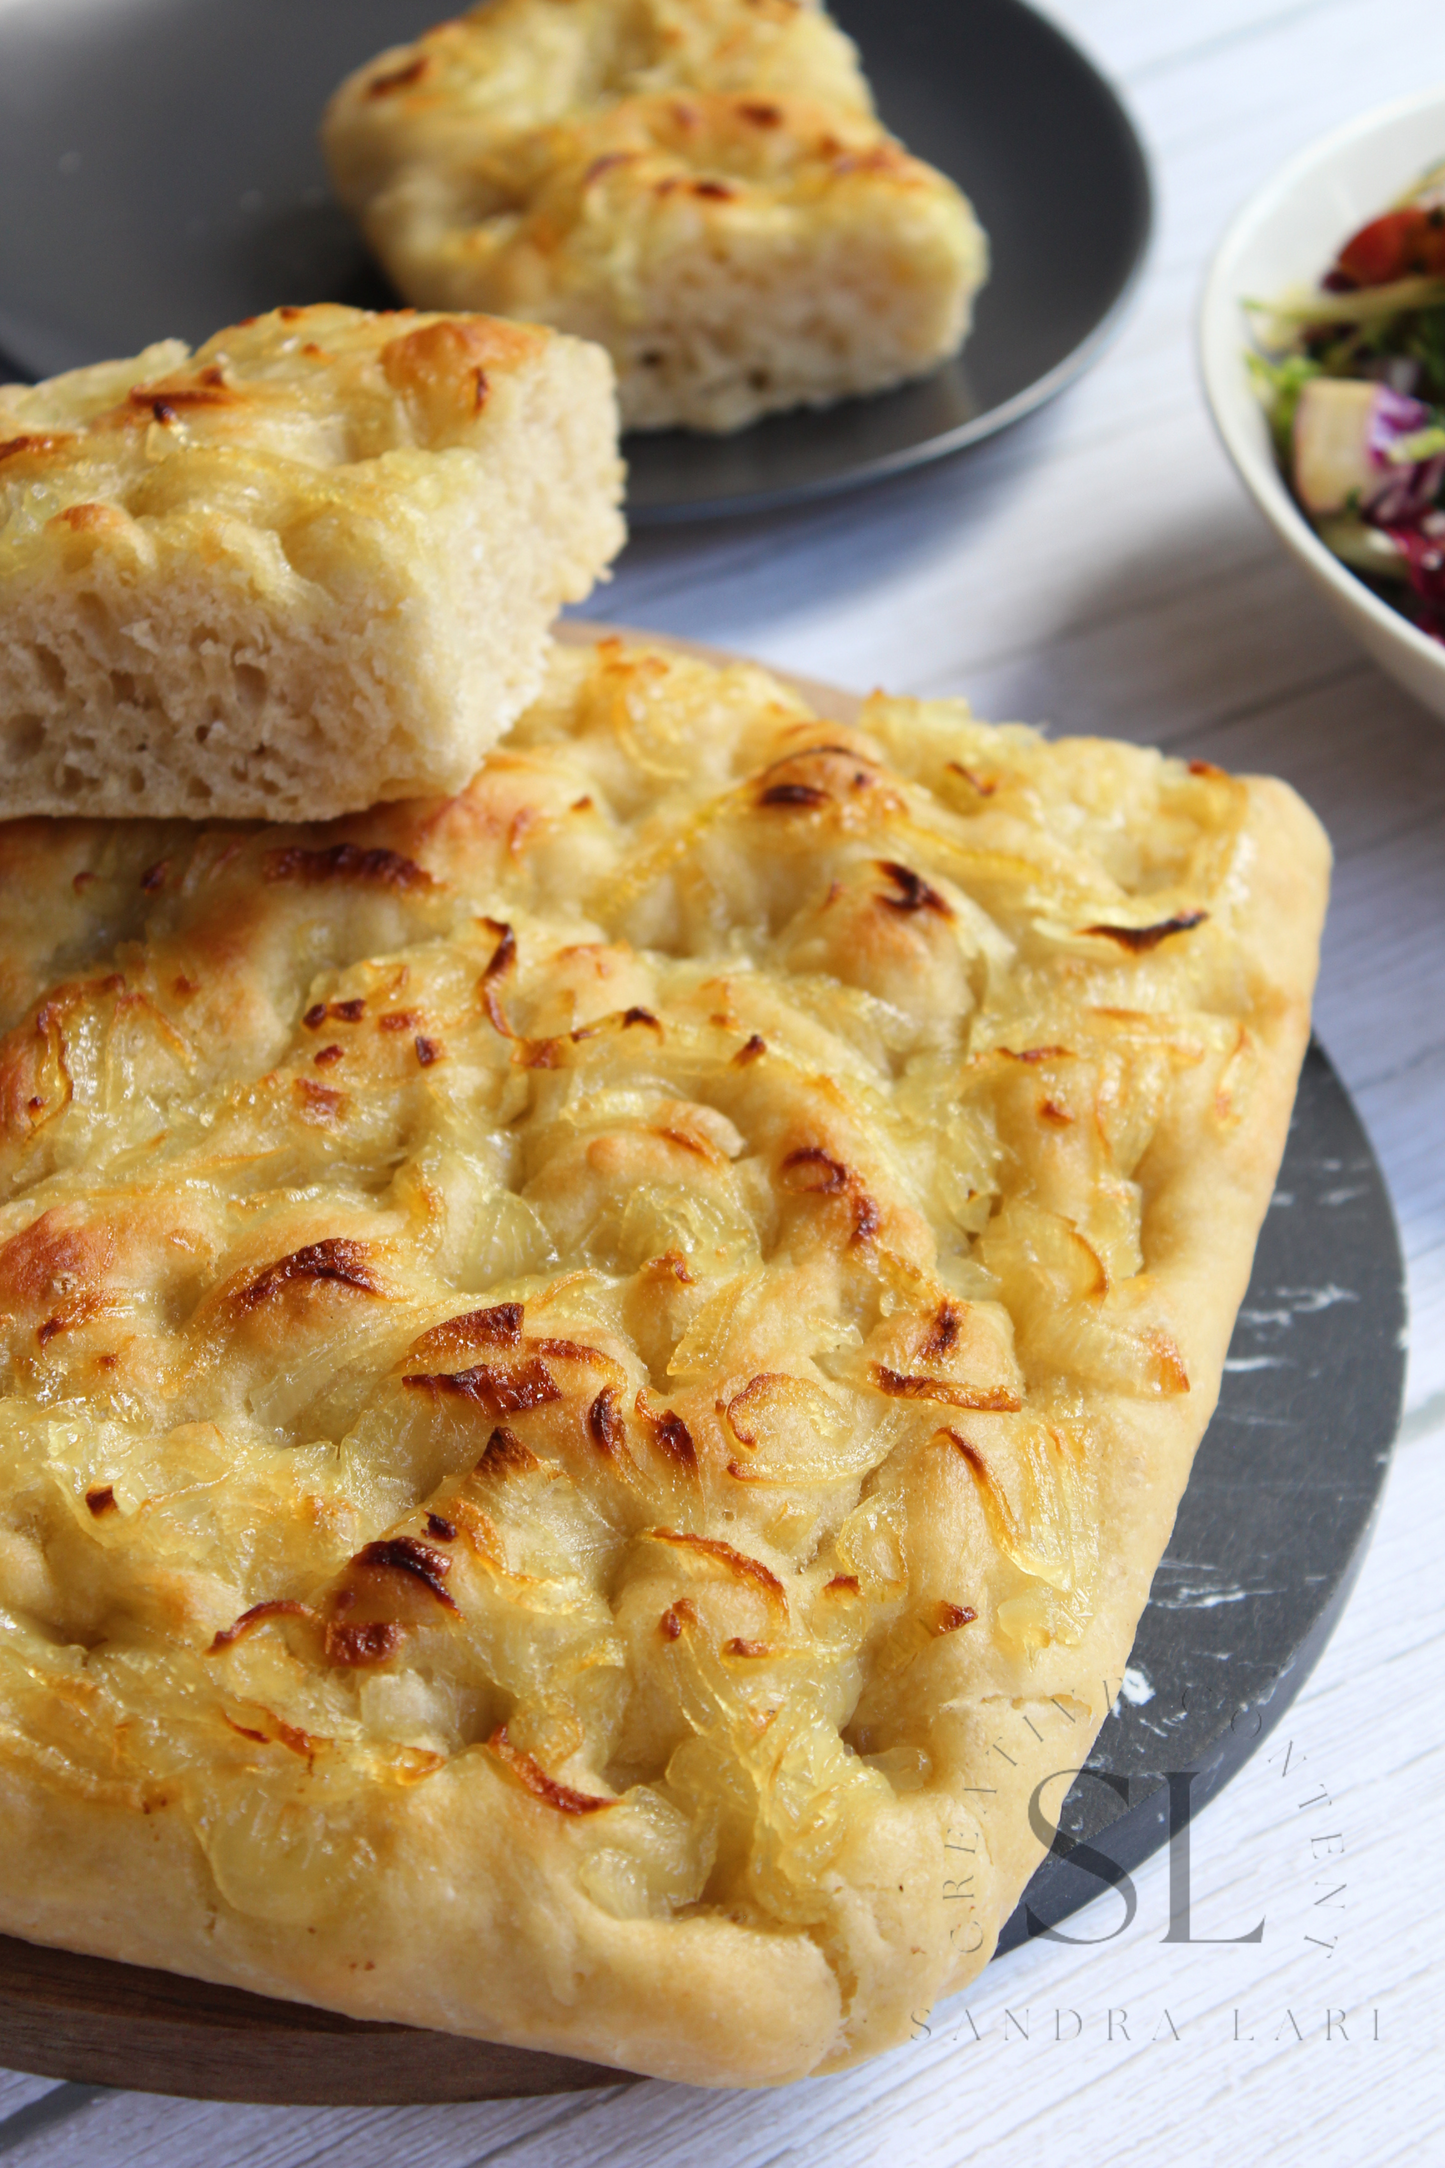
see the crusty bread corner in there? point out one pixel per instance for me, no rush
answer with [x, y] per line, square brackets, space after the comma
[702, 188]
[307, 568]
[1207, 1181]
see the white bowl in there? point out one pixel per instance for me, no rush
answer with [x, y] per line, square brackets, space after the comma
[1287, 236]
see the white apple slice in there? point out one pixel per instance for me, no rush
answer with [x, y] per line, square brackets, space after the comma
[1332, 462]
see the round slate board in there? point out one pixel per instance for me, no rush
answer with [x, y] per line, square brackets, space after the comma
[1269, 1536]
[161, 177]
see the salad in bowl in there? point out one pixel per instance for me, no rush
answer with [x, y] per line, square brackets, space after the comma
[1352, 376]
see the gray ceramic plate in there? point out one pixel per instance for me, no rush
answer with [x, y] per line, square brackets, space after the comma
[159, 176]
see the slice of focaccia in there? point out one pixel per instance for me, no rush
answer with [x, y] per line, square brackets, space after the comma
[308, 567]
[701, 185]
[598, 1370]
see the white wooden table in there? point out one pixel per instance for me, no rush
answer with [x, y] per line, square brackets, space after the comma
[1099, 568]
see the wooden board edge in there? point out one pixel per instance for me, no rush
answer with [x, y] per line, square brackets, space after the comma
[97, 2022]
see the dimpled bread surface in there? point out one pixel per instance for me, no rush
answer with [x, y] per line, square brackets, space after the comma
[701, 185]
[308, 567]
[597, 1369]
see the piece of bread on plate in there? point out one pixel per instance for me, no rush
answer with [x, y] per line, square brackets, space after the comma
[308, 567]
[700, 185]
[597, 1371]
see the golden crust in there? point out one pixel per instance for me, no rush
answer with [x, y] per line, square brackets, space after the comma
[310, 566]
[584, 1359]
[700, 185]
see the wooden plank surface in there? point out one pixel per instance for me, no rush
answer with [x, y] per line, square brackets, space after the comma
[1100, 569]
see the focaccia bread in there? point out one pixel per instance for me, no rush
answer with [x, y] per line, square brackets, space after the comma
[700, 185]
[598, 1370]
[306, 568]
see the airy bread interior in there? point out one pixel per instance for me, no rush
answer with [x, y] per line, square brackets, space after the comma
[309, 567]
